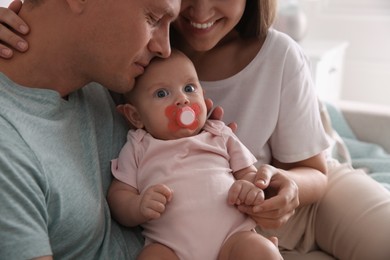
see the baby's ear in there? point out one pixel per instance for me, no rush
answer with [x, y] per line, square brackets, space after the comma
[131, 114]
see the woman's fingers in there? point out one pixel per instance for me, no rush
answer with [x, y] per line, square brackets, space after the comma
[10, 23]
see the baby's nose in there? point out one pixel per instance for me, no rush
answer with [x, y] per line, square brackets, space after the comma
[182, 100]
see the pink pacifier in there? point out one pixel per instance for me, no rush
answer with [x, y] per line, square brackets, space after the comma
[185, 116]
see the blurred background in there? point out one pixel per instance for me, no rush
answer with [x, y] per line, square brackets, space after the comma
[347, 43]
[5, 2]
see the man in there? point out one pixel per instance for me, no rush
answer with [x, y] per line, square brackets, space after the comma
[59, 128]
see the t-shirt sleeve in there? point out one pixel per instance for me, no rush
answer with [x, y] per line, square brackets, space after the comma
[299, 118]
[124, 168]
[23, 211]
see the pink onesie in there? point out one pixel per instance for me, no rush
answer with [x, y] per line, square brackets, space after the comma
[199, 171]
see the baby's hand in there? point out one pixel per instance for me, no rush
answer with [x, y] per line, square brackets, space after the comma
[154, 200]
[245, 192]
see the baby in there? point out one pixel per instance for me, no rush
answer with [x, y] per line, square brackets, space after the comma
[180, 175]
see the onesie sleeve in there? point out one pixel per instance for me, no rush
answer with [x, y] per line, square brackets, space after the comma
[124, 168]
[240, 156]
[23, 210]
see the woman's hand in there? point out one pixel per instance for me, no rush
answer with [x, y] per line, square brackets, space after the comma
[9, 23]
[281, 198]
[217, 113]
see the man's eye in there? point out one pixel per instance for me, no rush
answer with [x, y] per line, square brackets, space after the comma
[161, 93]
[153, 20]
[189, 88]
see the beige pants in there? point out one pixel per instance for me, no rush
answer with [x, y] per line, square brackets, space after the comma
[351, 222]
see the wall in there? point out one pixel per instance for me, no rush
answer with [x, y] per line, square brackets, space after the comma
[365, 24]
[5, 3]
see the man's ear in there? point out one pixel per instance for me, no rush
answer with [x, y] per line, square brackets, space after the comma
[77, 6]
[131, 114]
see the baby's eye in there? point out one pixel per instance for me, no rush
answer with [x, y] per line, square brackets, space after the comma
[161, 93]
[189, 88]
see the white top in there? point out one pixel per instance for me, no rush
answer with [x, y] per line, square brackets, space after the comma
[280, 114]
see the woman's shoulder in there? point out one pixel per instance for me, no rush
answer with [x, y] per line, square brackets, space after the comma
[278, 42]
[280, 38]
[282, 48]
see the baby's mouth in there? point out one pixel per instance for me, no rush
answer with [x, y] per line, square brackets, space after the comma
[183, 117]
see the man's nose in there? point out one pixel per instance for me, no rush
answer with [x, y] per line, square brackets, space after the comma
[159, 43]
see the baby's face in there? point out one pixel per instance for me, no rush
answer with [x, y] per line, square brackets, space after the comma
[169, 99]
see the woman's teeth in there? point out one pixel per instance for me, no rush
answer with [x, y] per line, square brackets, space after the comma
[202, 25]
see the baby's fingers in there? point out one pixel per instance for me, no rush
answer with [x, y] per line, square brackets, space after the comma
[234, 193]
[245, 192]
[152, 209]
[160, 193]
[154, 201]
[254, 196]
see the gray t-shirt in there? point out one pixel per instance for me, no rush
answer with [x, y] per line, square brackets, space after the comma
[54, 174]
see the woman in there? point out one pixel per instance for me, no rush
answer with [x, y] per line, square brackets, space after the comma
[262, 80]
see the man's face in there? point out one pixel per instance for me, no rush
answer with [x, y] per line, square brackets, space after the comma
[122, 37]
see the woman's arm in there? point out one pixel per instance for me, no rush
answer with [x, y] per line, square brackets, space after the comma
[287, 186]
[10, 23]
[309, 175]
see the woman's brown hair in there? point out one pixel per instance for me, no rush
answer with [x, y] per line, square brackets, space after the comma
[258, 17]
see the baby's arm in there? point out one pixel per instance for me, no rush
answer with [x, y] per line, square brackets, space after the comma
[243, 190]
[130, 208]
